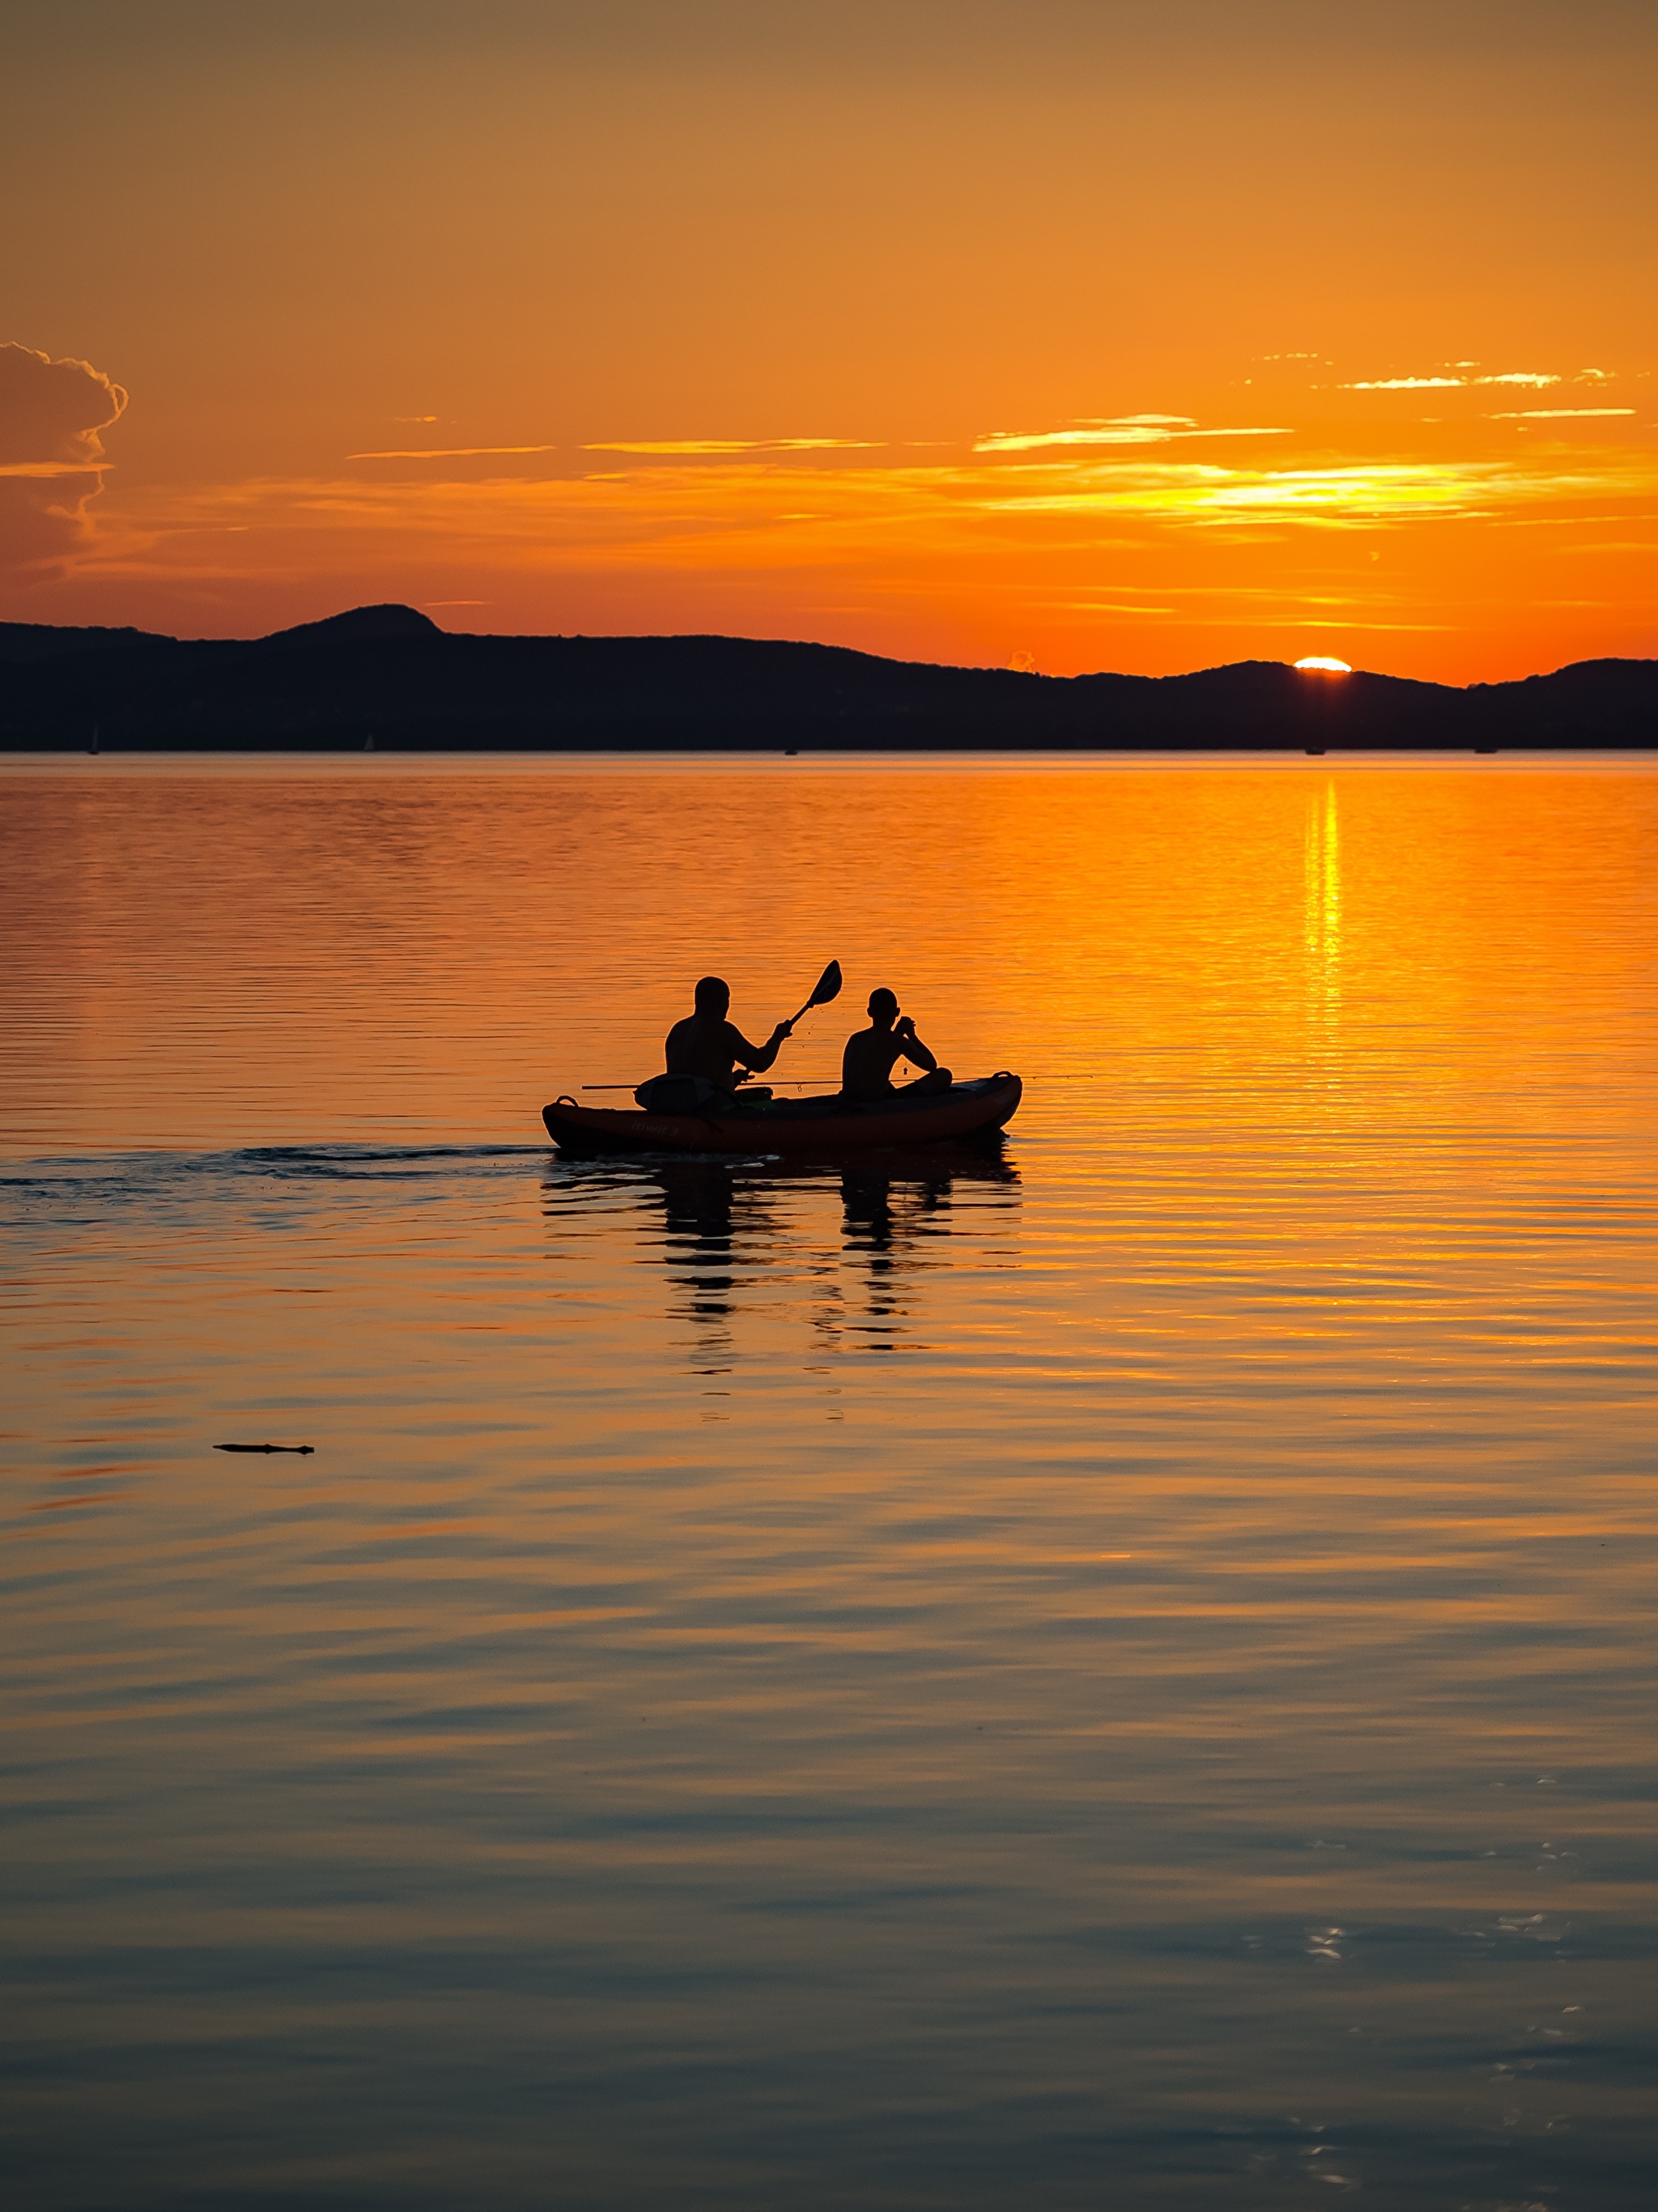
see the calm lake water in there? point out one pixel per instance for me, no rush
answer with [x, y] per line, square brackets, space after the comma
[1120, 1674]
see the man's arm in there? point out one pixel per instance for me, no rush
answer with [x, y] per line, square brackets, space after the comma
[914, 1050]
[757, 1058]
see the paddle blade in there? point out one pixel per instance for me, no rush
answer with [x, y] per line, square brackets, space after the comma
[828, 986]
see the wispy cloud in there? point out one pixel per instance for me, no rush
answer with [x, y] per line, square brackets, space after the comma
[447, 452]
[746, 513]
[1101, 430]
[1535, 379]
[754, 533]
[1194, 493]
[1116, 430]
[52, 468]
[666, 447]
[1555, 414]
[1134, 609]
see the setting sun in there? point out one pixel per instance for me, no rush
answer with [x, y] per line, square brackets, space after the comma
[1324, 664]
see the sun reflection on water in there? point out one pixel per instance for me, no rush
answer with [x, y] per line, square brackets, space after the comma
[1323, 926]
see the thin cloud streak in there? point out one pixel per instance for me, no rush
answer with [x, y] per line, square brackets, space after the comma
[1531, 378]
[1122, 430]
[54, 468]
[746, 511]
[694, 448]
[450, 453]
[1193, 492]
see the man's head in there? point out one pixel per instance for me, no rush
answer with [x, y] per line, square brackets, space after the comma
[882, 1008]
[713, 996]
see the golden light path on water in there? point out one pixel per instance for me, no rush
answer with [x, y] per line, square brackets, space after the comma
[1113, 1670]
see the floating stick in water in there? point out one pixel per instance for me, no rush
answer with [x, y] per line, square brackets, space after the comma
[265, 1448]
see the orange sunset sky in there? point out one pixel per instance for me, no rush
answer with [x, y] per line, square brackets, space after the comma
[1071, 336]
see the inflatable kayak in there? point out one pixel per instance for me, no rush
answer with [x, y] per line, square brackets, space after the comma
[825, 1127]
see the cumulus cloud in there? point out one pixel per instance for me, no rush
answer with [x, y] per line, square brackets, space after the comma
[51, 456]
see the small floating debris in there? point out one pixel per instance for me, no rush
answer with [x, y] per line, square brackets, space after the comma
[265, 1448]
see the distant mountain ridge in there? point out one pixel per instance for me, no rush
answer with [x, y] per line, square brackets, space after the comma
[390, 675]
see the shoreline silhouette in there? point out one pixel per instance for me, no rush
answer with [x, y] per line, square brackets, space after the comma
[387, 679]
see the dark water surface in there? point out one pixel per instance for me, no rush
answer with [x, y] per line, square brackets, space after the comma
[1118, 1673]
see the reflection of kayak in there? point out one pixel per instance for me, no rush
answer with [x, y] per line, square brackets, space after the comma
[824, 1127]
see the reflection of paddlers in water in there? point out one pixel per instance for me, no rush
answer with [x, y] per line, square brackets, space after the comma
[707, 1044]
[871, 1054]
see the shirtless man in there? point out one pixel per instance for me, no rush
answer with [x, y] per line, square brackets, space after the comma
[705, 1044]
[867, 1065]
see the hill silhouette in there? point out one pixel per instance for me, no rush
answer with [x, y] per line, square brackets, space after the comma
[389, 674]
